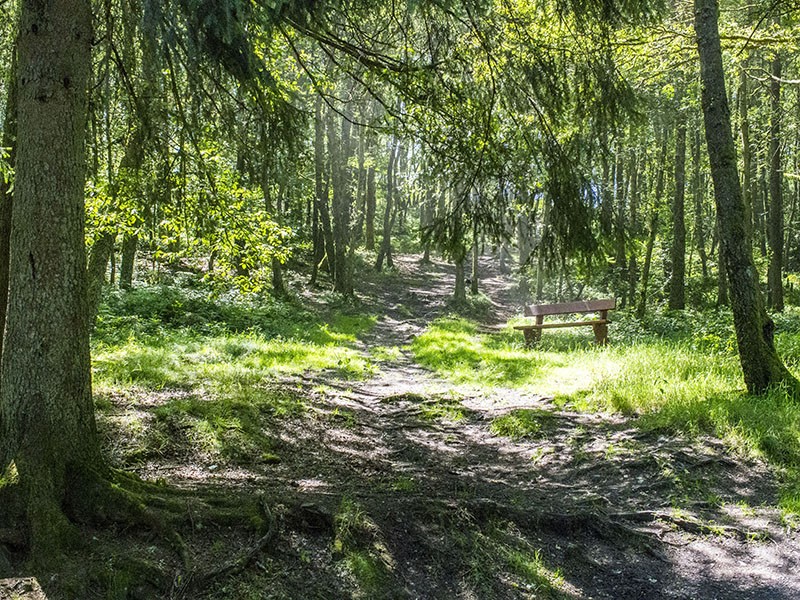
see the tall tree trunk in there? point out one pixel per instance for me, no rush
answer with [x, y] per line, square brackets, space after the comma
[47, 412]
[323, 240]
[361, 187]
[540, 263]
[130, 244]
[620, 234]
[385, 252]
[697, 198]
[760, 363]
[775, 229]
[339, 150]
[677, 281]
[641, 309]
[369, 210]
[101, 252]
[760, 210]
[475, 255]
[460, 292]
[425, 221]
[747, 156]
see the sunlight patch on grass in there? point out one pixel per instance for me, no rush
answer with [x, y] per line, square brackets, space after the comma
[385, 353]
[453, 348]
[518, 424]
[358, 541]
[183, 361]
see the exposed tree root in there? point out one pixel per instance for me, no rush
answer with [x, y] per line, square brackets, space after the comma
[183, 587]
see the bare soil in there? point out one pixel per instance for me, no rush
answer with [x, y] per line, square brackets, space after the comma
[436, 508]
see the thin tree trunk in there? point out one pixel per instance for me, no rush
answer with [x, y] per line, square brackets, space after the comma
[323, 236]
[99, 256]
[677, 281]
[775, 229]
[641, 309]
[475, 254]
[130, 243]
[385, 251]
[620, 242]
[761, 366]
[747, 157]
[371, 201]
[540, 263]
[697, 198]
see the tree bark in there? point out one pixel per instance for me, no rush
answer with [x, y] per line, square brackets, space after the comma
[130, 244]
[747, 156]
[323, 247]
[641, 309]
[339, 150]
[761, 366]
[677, 281]
[697, 198]
[369, 217]
[473, 286]
[385, 252]
[47, 411]
[775, 229]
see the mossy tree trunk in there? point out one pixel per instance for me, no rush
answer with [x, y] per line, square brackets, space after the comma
[47, 412]
[761, 365]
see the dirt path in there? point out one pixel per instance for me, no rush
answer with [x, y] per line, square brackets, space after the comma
[619, 513]
[396, 487]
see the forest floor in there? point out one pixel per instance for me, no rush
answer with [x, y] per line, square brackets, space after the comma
[398, 485]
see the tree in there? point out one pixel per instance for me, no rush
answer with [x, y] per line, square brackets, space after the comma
[48, 419]
[677, 283]
[775, 226]
[761, 365]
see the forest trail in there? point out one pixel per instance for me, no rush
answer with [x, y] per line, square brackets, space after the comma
[396, 485]
[617, 512]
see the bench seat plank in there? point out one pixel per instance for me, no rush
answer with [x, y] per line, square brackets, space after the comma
[565, 308]
[563, 324]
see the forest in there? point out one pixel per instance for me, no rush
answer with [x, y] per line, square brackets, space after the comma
[264, 264]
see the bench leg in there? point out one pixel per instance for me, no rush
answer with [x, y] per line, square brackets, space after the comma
[600, 334]
[532, 337]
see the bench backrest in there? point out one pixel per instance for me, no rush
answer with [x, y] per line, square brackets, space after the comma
[565, 308]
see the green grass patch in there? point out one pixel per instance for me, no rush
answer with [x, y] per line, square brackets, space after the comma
[452, 347]
[358, 542]
[518, 424]
[442, 408]
[502, 548]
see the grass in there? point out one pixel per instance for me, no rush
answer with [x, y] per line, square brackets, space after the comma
[675, 373]
[502, 549]
[174, 338]
[212, 364]
[358, 542]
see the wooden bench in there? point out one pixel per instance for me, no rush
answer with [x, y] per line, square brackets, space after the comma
[533, 332]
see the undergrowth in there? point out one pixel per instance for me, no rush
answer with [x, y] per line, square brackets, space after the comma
[168, 337]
